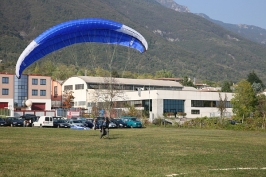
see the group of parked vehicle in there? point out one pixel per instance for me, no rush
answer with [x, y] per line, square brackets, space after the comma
[30, 120]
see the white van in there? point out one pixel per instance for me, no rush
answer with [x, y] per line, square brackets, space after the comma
[44, 121]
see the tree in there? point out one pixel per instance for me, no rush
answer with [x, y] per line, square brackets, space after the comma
[257, 87]
[261, 107]
[164, 74]
[132, 111]
[67, 98]
[226, 87]
[109, 92]
[115, 74]
[244, 101]
[253, 78]
[187, 82]
[222, 106]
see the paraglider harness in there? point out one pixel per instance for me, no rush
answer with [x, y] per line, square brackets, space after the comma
[105, 128]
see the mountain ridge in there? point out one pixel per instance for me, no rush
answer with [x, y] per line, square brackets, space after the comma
[184, 43]
[251, 32]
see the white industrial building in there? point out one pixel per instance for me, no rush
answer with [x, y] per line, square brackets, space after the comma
[156, 96]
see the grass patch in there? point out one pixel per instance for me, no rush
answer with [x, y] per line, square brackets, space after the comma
[131, 152]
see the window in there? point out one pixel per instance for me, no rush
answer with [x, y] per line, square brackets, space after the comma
[68, 87]
[5, 80]
[55, 91]
[5, 91]
[205, 103]
[195, 111]
[43, 81]
[21, 86]
[81, 103]
[34, 81]
[34, 92]
[79, 86]
[173, 106]
[42, 92]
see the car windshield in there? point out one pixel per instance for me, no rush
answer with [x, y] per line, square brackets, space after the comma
[134, 119]
[77, 121]
[61, 121]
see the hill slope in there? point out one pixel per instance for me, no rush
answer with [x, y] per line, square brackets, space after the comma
[182, 42]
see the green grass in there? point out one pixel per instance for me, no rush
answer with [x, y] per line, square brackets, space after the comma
[131, 152]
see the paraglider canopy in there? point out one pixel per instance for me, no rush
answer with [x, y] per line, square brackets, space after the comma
[79, 31]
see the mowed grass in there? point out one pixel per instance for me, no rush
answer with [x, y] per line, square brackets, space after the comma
[150, 151]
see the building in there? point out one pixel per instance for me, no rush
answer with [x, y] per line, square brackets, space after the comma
[156, 96]
[15, 92]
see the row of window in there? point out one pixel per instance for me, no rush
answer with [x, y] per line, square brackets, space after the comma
[205, 103]
[35, 81]
[5, 80]
[118, 87]
[34, 92]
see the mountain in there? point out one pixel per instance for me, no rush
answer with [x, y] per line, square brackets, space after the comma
[173, 5]
[251, 32]
[184, 43]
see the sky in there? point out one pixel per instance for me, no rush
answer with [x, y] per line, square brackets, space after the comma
[249, 12]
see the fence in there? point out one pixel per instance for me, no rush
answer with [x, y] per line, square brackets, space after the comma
[217, 114]
[4, 112]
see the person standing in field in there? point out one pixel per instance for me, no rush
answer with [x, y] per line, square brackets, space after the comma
[94, 123]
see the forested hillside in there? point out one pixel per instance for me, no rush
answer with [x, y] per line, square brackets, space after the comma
[184, 43]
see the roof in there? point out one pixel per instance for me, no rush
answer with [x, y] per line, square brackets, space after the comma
[128, 81]
[170, 79]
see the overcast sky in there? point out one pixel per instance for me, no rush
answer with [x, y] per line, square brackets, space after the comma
[249, 12]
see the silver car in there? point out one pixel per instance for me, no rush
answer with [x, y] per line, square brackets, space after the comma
[75, 122]
[112, 125]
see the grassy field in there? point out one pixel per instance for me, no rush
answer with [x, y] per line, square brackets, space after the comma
[142, 152]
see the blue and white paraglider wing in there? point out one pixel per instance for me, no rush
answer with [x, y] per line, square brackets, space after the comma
[79, 31]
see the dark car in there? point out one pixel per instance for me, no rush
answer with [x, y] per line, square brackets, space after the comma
[14, 122]
[2, 122]
[61, 123]
[119, 123]
[88, 123]
[29, 119]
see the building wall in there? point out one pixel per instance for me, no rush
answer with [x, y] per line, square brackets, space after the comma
[81, 95]
[56, 95]
[39, 87]
[157, 97]
[20, 90]
[7, 98]
[46, 99]
[8, 86]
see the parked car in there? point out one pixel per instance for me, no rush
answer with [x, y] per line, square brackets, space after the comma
[61, 123]
[44, 121]
[14, 122]
[90, 119]
[119, 123]
[29, 119]
[2, 122]
[132, 122]
[82, 119]
[75, 122]
[88, 123]
[112, 125]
